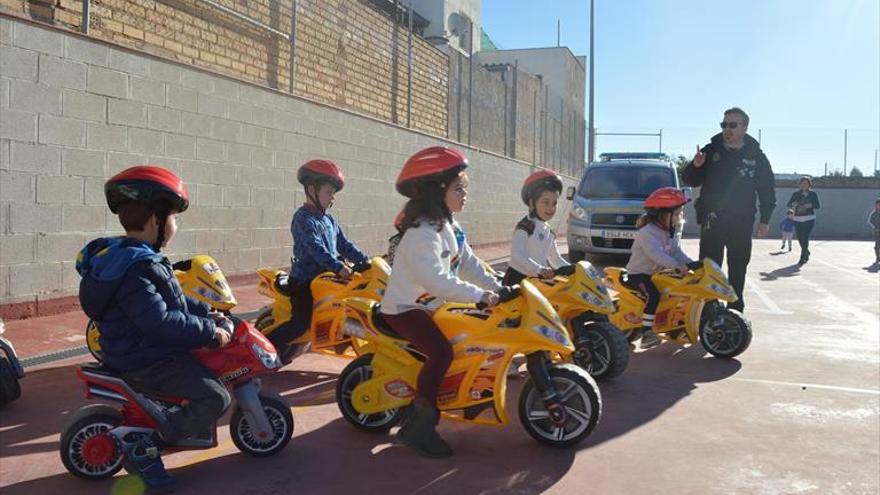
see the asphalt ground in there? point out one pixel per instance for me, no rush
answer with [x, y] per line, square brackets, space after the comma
[798, 412]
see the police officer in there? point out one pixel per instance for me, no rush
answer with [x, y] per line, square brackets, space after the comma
[733, 173]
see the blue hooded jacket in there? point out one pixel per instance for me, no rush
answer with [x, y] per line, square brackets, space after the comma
[140, 308]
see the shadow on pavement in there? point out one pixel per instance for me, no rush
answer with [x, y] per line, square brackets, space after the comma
[335, 458]
[785, 272]
[655, 381]
[779, 253]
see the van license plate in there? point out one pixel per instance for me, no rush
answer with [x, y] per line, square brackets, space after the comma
[619, 234]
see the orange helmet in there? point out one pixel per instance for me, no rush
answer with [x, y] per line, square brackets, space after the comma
[430, 164]
[147, 184]
[317, 171]
[538, 182]
[666, 198]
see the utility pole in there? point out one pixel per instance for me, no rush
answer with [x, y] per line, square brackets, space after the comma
[844, 152]
[591, 153]
[558, 30]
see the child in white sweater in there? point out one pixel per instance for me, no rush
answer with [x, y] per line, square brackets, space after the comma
[656, 247]
[433, 258]
[533, 251]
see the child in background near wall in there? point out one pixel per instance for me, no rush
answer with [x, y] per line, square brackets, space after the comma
[874, 222]
[787, 228]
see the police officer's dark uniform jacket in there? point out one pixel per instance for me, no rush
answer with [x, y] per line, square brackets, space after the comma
[731, 180]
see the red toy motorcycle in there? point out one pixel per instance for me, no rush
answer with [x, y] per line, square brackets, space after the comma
[261, 423]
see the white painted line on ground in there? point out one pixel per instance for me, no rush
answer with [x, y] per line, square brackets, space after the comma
[849, 272]
[867, 391]
[772, 307]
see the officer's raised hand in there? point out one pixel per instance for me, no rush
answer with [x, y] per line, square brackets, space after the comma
[699, 158]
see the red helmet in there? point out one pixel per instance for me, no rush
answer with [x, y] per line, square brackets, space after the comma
[666, 198]
[540, 181]
[146, 184]
[431, 163]
[317, 171]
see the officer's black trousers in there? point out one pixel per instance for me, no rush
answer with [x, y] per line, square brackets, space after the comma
[736, 236]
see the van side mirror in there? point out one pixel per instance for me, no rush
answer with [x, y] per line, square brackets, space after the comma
[569, 193]
[688, 192]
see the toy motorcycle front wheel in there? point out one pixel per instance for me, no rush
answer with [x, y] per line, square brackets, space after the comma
[578, 394]
[601, 350]
[726, 334]
[92, 335]
[249, 441]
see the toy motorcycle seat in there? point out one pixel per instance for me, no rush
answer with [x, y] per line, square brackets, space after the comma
[98, 369]
[381, 325]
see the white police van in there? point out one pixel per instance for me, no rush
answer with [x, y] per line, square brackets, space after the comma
[609, 199]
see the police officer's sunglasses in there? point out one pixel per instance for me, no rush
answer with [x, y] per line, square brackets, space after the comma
[732, 125]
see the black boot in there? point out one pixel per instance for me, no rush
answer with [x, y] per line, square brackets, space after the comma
[418, 431]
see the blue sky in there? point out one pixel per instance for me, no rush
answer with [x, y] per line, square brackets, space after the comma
[804, 70]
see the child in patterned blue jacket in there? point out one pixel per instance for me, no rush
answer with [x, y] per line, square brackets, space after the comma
[318, 246]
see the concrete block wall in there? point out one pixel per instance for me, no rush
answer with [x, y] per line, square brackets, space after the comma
[843, 213]
[63, 133]
[348, 53]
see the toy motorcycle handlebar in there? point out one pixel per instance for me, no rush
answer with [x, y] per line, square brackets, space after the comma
[565, 271]
[505, 294]
[183, 265]
[361, 267]
[226, 325]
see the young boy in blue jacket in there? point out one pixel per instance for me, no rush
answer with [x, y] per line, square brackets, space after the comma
[148, 326]
[319, 245]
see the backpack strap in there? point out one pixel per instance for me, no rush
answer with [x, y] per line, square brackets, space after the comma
[527, 225]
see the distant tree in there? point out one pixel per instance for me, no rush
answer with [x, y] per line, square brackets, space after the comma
[836, 173]
[681, 162]
[877, 173]
[855, 172]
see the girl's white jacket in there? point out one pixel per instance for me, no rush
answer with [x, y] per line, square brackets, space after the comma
[432, 263]
[531, 253]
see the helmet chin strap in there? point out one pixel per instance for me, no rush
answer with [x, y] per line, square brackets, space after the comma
[162, 219]
[314, 198]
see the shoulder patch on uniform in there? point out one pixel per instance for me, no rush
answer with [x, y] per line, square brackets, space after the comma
[526, 225]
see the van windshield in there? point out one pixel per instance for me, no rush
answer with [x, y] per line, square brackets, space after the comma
[624, 182]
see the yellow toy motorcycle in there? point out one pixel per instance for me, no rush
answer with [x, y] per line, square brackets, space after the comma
[580, 297]
[559, 405]
[367, 281]
[689, 309]
[200, 278]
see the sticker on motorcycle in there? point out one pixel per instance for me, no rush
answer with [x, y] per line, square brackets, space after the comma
[399, 389]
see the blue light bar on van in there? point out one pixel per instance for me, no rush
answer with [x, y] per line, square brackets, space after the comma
[606, 157]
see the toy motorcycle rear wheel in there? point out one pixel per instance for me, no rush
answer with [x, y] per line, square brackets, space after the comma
[727, 334]
[86, 449]
[580, 396]
[357, 372]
